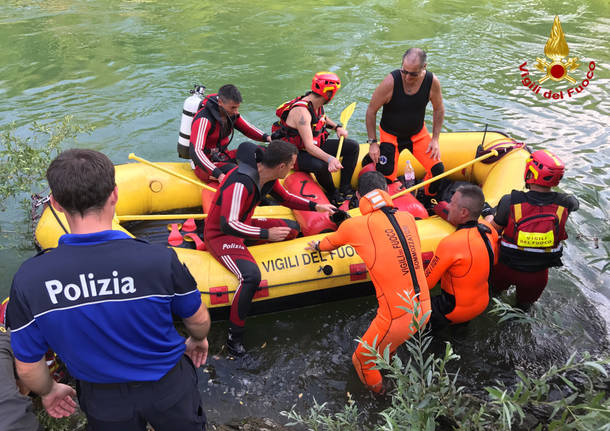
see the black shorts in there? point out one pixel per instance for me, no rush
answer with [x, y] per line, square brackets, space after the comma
[441, 305]
[171, 403]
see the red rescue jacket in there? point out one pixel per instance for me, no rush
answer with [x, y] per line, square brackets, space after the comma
[238, 196]
[210, 140]
[280, 130]
[533, 233]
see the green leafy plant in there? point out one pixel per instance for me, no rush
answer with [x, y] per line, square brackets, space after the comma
[318, 418]
[426, 395]
[572, 396]
[24, 160]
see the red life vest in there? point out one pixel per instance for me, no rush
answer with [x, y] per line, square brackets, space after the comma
[533, 233]
[280, 130]
[223, 136]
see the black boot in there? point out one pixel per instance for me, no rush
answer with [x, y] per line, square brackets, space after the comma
[335, 198]
[347, 192]
[235, 342]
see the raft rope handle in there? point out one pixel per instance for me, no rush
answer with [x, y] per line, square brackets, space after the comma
[290, 282]
[484, 134]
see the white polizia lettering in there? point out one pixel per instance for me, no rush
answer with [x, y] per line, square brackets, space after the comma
[90, 286]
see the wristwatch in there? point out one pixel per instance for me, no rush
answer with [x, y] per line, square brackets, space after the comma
[371, 141]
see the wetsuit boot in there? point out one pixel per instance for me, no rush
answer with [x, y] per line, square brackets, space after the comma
[235, 341]
[347, 192]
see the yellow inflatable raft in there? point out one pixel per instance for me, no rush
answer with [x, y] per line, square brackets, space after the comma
[291, 276]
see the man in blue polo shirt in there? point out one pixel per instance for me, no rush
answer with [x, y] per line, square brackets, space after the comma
[103, 302]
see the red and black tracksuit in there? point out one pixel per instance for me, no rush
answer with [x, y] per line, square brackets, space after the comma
[229, 227]
[211, 133]
[534, 227]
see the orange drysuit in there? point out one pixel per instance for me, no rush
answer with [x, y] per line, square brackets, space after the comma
[462, 263]
[388, 243]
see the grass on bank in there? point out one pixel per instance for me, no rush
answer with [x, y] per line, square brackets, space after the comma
[24, 160]
[426, 396]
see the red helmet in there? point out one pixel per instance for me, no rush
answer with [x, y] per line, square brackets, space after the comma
[323, 82]
[543, 168]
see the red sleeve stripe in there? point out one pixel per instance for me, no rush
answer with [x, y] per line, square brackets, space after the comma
[238, 192]
[298, 198]
[202, 132]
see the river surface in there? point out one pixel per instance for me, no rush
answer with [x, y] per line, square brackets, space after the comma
[125, 67]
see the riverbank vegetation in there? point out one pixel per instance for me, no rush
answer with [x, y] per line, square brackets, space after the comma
[23, 164]
[24, 160]
[425, 394]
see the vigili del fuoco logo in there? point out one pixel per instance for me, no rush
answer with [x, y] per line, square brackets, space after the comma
[557, 67]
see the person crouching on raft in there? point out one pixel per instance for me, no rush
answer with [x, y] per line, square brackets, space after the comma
[212, 130]
[388, 243]
[229, 227]
[303, 123]
[462, 261]
[533, 226]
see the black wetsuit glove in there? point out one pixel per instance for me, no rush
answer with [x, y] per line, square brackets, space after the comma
[339, 217]
[487, 210]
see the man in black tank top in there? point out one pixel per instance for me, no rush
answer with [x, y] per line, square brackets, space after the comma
[404, 95]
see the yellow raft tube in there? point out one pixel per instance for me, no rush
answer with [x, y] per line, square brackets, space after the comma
[291, 276]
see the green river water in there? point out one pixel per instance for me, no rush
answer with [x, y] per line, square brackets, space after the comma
[125, 67]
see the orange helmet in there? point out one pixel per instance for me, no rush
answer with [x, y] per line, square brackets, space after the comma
[323, 82]
[543, 168]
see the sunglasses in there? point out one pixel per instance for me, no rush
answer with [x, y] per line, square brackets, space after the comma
[406, 72]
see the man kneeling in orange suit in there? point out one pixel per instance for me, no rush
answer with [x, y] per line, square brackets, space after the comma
[462, 261]
[388, 243]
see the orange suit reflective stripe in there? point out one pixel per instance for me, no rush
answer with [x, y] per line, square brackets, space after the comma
[461, 263]
[377, 243]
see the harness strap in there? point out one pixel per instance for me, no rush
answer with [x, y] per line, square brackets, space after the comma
[57, 218]
[483, 231]
[517, 212]
[389, 212]
[560, 210]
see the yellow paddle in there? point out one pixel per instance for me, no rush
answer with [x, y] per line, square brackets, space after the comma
[272, 211]
[132, 156]
[345, 116]
[148, 217]
[356, 211]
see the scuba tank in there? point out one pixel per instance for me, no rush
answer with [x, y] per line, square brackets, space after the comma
[189, 109]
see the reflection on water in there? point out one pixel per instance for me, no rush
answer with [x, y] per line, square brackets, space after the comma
[126, 67]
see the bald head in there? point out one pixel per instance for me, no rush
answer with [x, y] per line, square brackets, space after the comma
[415, 54]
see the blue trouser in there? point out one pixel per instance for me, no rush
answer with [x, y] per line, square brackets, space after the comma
[171, 403]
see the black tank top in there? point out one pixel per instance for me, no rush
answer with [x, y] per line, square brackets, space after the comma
[403, 116]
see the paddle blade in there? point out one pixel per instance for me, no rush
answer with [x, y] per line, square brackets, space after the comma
[347, 114]
[175, 238]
